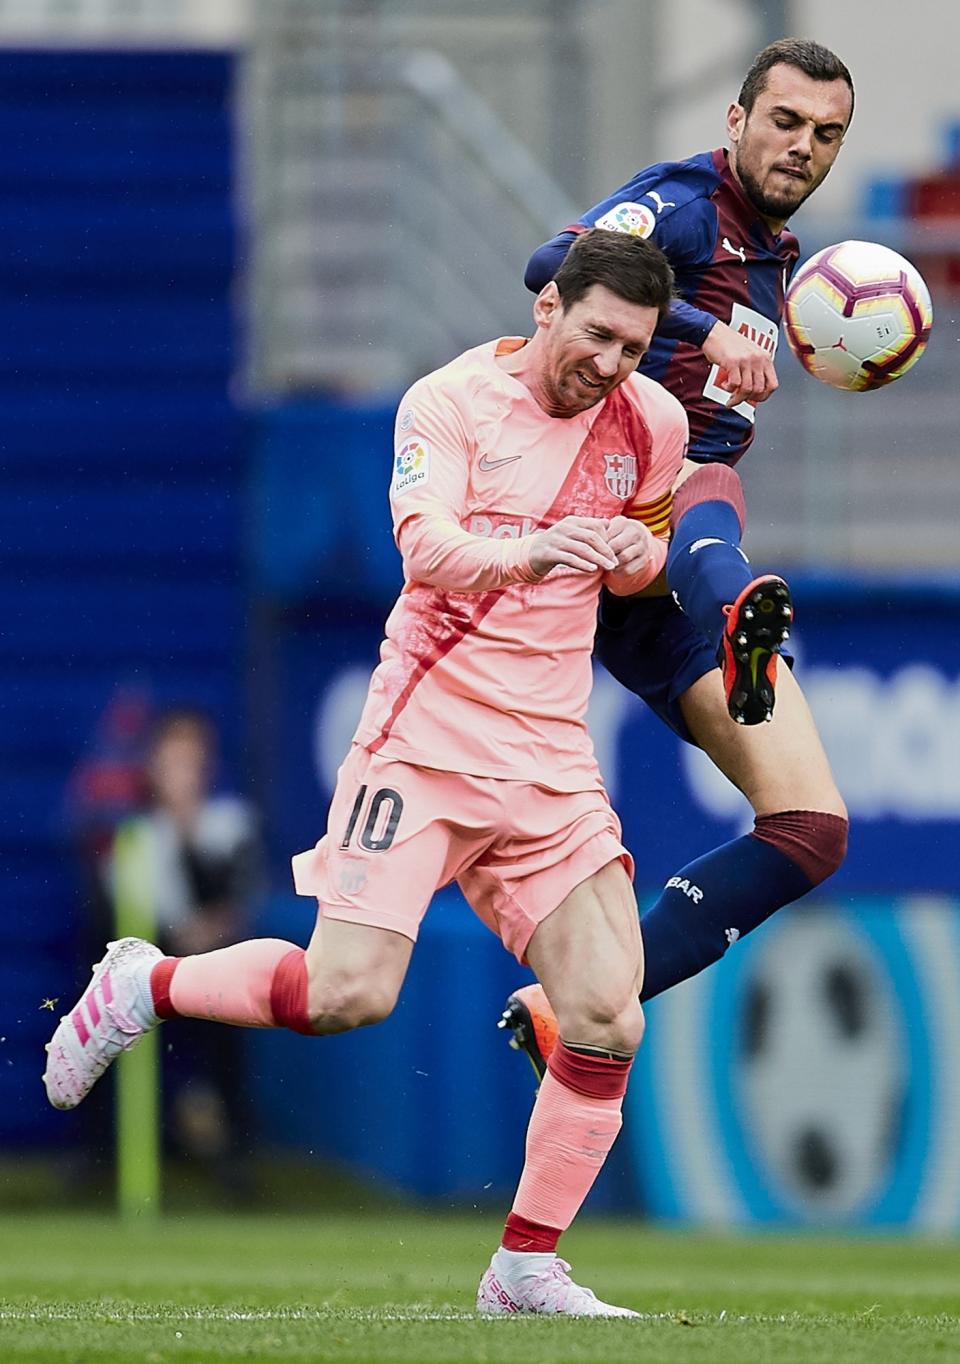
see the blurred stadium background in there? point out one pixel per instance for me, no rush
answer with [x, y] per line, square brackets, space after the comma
[231, 232]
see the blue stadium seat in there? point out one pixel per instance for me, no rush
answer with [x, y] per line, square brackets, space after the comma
[121, 464]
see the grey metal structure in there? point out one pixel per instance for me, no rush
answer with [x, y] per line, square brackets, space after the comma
[401, 158]
[392, 206]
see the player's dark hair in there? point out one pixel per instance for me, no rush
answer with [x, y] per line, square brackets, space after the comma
[630, 267]
[815, 61]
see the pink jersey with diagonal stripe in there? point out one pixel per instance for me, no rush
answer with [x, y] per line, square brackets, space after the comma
[485, 668]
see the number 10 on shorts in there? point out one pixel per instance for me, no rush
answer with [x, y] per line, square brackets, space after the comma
[383, 811]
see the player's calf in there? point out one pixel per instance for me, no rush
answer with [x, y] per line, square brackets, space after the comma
[757, 624]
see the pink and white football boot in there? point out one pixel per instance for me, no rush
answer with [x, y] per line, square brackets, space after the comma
[543, 1287]
[111, 1016]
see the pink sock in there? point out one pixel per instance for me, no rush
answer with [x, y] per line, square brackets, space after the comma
[574, 1123]
[257, 984]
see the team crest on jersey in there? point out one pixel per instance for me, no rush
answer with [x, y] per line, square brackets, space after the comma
[635, 219]
[353, 878]
[620, 474]
[411, 465]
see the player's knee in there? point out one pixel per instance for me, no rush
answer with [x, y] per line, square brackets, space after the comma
[341, 1003]
[626, 1029]
[710, 483]
[830, 845]
[634, 1025]
[612, 1020]
[815, 840]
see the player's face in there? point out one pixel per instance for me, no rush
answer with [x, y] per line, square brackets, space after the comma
[588, 348]
[784, 148]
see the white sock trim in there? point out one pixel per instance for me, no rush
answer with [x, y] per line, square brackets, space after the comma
[514, 1264]
[146, 1014]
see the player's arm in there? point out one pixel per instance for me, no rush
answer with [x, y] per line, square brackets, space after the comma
[640, 555]
[639, 537]
[686, 233]
[547, 259]
[746, 371]
[428, 496]
[682, 323]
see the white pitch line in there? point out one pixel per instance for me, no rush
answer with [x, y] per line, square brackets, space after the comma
[358, 1317]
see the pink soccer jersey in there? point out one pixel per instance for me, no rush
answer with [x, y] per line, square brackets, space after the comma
[486, 667]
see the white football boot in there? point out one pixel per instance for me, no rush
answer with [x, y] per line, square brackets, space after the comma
[540, 1284]
[111, 1016]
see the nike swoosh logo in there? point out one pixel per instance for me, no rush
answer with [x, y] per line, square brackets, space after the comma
[755, 656]
[488, 464]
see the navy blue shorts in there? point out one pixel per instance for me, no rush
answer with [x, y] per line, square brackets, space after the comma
[653, 650]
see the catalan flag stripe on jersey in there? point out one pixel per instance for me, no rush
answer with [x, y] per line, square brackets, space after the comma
[655, 515]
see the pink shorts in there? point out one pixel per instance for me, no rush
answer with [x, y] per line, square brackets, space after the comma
[396, 833]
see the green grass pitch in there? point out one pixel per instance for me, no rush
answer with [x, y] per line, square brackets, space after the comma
[82, 1289]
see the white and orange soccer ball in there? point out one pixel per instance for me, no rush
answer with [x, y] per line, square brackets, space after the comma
[857, 315]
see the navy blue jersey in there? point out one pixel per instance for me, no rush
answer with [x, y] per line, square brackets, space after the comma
[728, 267]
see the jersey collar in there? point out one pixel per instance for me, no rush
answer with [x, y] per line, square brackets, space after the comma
[721, 162]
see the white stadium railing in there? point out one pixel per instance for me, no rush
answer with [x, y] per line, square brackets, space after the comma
[66, 23]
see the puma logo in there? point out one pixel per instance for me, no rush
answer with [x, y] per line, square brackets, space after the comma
[734, 250]
[661, 204]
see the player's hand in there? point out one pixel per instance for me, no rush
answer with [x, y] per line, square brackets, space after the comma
[631, 542]
[746, 371]
[578, 542]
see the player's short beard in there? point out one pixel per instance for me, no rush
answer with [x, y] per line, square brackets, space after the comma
[766, 204]
[556, 405]
[551, 399]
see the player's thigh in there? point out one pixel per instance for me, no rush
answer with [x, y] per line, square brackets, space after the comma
[588, 956]
[545, 844]
[389, 846]
[655, 651]
[778, 766]
[354, 971]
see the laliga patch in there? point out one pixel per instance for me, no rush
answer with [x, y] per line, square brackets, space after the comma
[411, 465]
[635, 219]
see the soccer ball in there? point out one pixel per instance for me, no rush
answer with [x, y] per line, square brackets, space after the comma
[857, 316]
